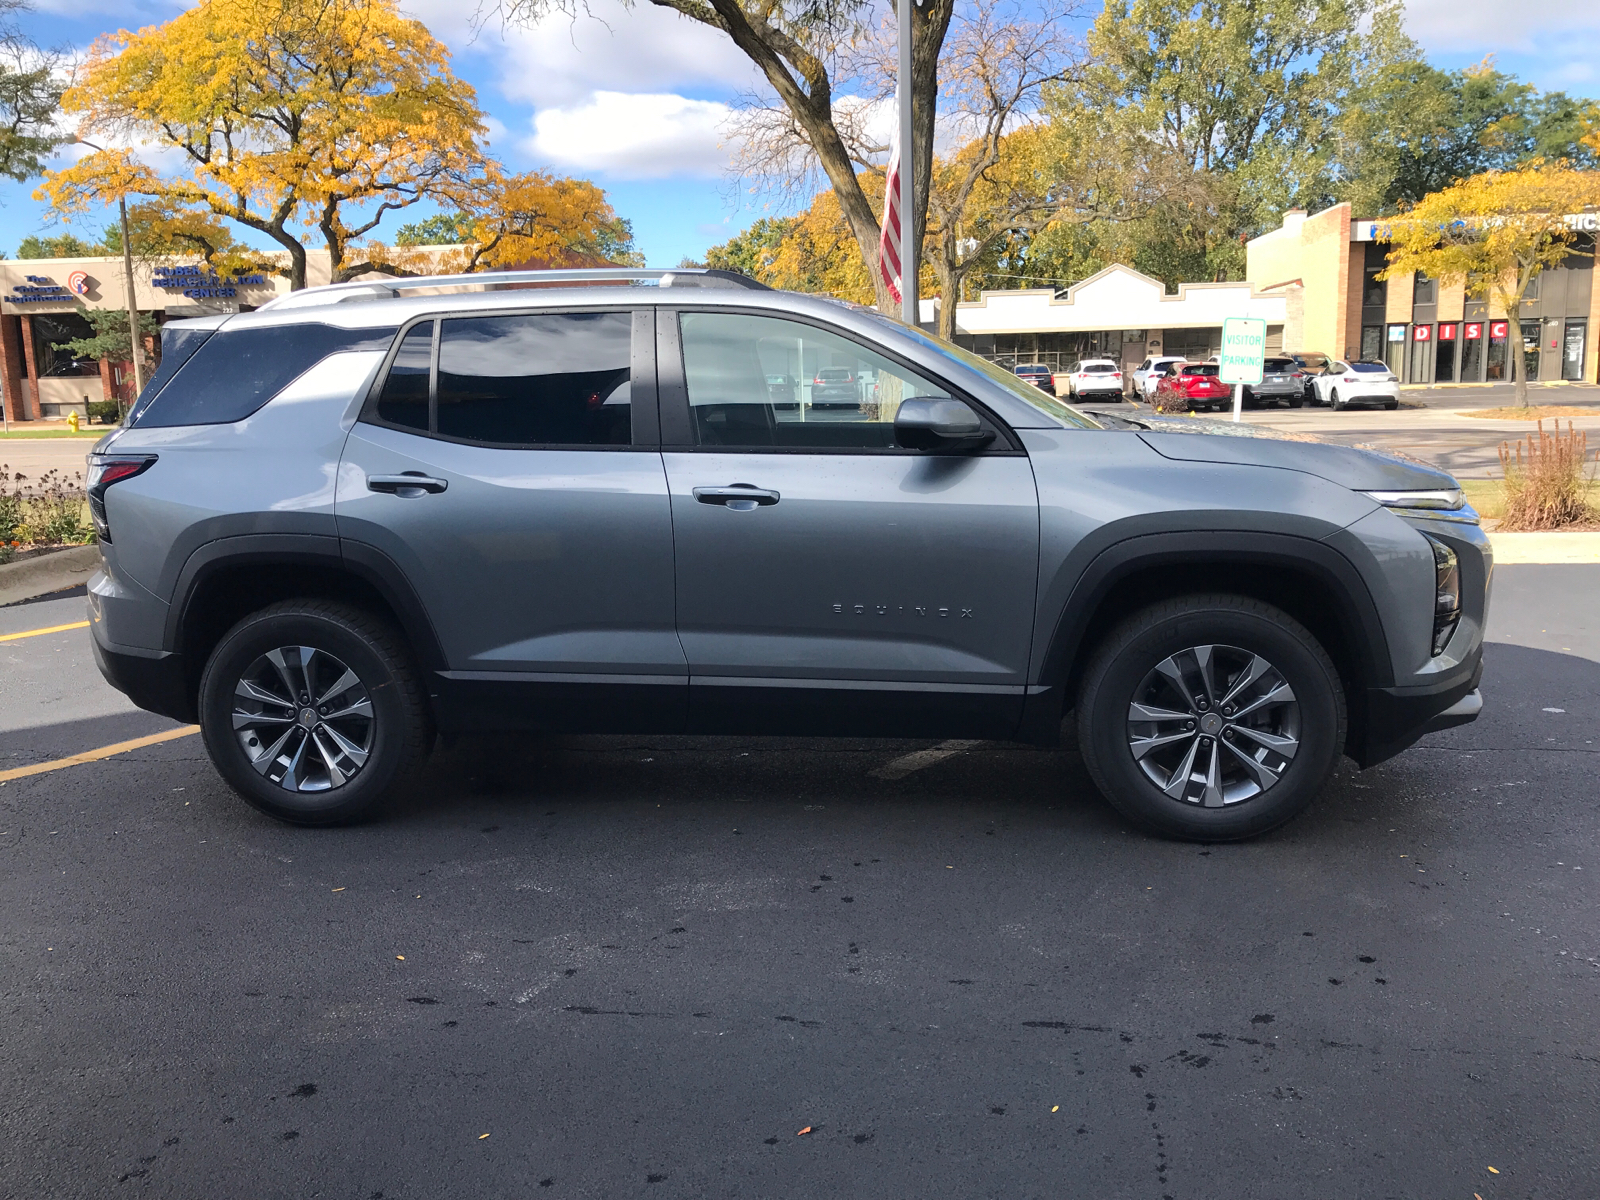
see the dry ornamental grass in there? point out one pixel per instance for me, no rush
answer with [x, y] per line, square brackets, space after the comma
[1545, 483]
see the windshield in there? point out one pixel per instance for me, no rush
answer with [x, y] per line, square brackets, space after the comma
[1026, 392]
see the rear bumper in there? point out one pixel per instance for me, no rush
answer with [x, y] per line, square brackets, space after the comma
[155, 680]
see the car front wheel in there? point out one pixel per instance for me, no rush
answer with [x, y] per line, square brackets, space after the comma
[1211, 718]
[313, 710]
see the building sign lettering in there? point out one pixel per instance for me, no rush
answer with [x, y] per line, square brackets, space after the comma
[198, 283]
[1474, 331]
[1421, 333]
[1497, 329]
[1447, 333]
[39, 289]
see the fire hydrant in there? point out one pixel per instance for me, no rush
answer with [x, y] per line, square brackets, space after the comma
[72, 421]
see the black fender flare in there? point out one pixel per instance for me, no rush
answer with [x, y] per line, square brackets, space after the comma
[1353, 605]
[361, 561]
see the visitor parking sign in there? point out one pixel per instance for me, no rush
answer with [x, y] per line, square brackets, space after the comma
[1244, 347]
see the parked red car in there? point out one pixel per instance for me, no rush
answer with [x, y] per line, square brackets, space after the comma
[1193, 386]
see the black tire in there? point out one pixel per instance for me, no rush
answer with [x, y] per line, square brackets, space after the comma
[1333, 400]
[1392, 406]
[398, 736]
[1233, 626]
[1293, 403]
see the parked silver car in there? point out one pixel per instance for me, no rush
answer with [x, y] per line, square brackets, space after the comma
[356, 517]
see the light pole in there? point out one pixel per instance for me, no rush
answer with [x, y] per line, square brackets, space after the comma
[910, 310]
[135, 341]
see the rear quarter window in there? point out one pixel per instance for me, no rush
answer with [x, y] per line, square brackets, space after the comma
[233, 373]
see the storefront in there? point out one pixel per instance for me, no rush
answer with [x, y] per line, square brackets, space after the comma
[1117, 313]
[1427, 330]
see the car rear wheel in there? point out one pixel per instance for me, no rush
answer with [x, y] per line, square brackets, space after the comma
[1392, 405]
[1333, 400]
[312, 710]
[1210, 718]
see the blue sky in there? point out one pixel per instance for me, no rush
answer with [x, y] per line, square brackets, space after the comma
[637, 98]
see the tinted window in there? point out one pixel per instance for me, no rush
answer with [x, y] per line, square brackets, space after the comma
[551, 379]
[1098, 368]
[404, 400]
[1201, 369]
[1365, 368]
[1278, 364]
[847, 397]
[235, 372]
[177, 344]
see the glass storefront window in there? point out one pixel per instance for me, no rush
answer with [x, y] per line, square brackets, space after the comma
[1395, 351]
[1496, 368]
[1471, 351]
[1417, 370]
[1444, 353]
[1530, 348]
[1371, 343]
[1572, 350]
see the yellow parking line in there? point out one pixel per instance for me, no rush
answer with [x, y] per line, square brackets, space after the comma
[96, 755]
[11, 637]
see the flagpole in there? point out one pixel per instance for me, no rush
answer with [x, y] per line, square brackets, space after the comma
[909, 308]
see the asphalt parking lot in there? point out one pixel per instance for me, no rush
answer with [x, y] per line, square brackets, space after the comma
[665, 967]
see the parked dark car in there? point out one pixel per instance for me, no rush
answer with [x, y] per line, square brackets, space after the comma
[836, 387]
[1281, 383]
[1037, 374]
[1194, 386]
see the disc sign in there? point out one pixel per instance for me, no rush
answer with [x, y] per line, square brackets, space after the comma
[1244, 347]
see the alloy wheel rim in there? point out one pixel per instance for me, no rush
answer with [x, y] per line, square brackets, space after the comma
[303, 719]
[1214, 726]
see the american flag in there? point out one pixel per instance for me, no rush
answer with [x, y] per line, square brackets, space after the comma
[889, 239]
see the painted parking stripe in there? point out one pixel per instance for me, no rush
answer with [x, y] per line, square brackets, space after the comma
[11, 637]
[899, 768]
[96, 755]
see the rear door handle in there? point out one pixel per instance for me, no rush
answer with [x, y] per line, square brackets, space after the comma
[741, 497]
[409, 481]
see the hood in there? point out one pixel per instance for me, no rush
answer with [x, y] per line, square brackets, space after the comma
[1360, 468]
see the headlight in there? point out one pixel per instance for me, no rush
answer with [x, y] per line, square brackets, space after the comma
[1446, 594]
[1445, 498]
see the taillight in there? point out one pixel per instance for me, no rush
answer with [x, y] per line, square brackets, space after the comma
[104, 470]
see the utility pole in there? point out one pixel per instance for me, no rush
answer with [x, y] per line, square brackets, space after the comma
[133, 303]
[134, 340]
[910, 310]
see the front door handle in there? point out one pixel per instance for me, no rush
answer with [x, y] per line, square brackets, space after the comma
[407, 483]
[741, 497]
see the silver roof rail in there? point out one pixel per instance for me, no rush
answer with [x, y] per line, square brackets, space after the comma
[380, 289]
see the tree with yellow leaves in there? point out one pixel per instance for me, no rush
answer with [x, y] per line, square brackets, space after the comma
[322, 114]
[1497, 231]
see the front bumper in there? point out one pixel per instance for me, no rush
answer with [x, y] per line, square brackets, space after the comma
[1391, 719]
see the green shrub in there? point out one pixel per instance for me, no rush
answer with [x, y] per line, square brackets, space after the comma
[106, 412]
[1545, 485]
[53, 512]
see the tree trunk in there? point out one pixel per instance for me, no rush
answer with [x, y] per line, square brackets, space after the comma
[949, 274]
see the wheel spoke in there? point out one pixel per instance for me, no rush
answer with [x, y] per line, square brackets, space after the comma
[1143, 746]
[1148, 712]
[263, 764]
[255, 692]
[1202, 660]
[361, 708]
[335, 775]
[1286, 746]
[1280, 693]
[1178, 785]
[1257, 668]
[1212, 796]
[281, 666]
[291, 777]
[342, 685]
[248, 720]
[1264, 775]
[349, 749]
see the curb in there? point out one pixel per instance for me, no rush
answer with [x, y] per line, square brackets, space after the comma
[1528, 549]
[47, 573]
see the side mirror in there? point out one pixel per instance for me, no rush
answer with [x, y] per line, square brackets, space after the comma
[943, 426]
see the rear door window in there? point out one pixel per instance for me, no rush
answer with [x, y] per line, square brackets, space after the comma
[542, 379]
[235, 372]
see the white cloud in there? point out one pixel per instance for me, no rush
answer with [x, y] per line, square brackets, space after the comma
[1490, 25]
[635, 136]
[561, 61]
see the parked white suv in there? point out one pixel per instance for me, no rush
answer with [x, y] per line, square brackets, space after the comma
[1350, 383]
[1148, 373]
[1095, 377]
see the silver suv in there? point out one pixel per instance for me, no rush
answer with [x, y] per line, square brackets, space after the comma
[370, 513]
